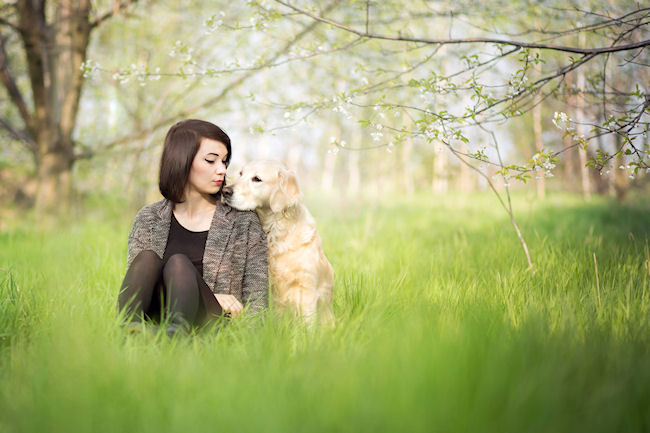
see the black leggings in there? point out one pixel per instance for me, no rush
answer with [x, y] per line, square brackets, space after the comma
[175, 287]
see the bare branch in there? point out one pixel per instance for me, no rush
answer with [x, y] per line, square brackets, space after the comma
[8, 10]
[575, 50]
[118, 6]
[226, 90]
[618, 21]
[9, 83]
[9, 24]
[19, 135]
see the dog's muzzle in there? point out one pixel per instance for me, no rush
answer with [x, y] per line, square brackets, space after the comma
[226, 193]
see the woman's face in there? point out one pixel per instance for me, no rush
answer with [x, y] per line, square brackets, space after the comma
[208, 171]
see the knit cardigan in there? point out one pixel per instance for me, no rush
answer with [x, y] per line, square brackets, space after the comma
[235, 256]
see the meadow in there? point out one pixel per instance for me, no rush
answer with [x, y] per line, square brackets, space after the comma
[440, 327]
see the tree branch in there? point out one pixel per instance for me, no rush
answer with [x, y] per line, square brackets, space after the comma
[19, 134]
[575, 50]
[227, 89]
[116, 10]
[9, 83]
[9, 24]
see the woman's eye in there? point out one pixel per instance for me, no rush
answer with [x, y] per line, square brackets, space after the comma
[210, 161]
[257, 179]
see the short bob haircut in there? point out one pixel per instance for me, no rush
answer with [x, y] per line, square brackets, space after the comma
[181, 144]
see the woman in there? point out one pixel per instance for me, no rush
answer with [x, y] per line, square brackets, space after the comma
[189, 253]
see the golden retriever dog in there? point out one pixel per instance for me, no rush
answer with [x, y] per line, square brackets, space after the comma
[301, 276]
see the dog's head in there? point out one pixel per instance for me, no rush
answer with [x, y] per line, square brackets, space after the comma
[263, 185]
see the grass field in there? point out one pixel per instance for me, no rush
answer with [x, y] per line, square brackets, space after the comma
[440, 327]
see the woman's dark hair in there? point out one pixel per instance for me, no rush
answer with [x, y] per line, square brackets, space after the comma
[181, 144]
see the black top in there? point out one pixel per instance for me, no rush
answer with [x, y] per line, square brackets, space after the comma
[184, 241]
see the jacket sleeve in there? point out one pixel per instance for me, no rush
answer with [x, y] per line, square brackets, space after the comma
[255, 288]
[136, 239]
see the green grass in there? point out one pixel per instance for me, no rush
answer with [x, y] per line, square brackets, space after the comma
[440, 327]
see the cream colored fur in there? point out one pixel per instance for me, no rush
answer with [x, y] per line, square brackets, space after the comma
[301, 276]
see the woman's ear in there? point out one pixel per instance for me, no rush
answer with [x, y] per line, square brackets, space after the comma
[286, 192]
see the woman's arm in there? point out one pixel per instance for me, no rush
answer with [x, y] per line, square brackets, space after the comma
[136, 241]
[255, 290]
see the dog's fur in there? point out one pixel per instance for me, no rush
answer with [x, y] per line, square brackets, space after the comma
[301, 276]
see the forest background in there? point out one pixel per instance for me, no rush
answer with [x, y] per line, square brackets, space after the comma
[433, 96]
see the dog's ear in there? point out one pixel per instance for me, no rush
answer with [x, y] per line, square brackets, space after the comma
[286, 192]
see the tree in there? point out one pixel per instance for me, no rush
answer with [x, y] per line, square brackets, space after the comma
[55, 40]
[54, 37]
[500, 69]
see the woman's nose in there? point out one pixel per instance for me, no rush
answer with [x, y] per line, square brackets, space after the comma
[221, 168]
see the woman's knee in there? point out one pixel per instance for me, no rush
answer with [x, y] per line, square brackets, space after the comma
[147, 255]
[147, 259]
[178, 260]
[178, 263]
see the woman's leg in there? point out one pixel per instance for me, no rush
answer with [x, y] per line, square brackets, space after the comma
[181, 289]
[187, 296]
[139, 284]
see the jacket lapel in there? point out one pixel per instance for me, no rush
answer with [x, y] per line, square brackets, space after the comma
[218, 239]
[161, 230]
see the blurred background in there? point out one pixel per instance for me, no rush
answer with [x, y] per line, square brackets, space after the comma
[387, 97]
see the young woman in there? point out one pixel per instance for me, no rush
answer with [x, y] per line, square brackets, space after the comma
[189, 255]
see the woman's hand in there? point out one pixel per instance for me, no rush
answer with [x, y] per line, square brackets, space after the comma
[230, 304]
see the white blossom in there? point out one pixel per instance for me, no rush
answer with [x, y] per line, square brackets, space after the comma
[561, 120]
[548, 165]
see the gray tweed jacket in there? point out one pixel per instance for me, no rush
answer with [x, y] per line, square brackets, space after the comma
[235, 257]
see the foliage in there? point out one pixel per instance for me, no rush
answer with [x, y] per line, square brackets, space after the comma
[418, 71]
[409, 65]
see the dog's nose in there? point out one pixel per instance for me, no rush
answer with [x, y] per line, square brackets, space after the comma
[226, 191]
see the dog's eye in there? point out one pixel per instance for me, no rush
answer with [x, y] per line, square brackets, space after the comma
[257, 179]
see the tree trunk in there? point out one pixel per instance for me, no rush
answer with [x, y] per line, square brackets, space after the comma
[408, 184]
[539, 145]
[327, 180]
[569, 164]
[620, 174]
[54, 52]
[440, 161]
[354, 176]
[53, 193]
[293, 158]
[466, 177]
[580, 130]
[353, 173]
